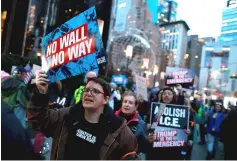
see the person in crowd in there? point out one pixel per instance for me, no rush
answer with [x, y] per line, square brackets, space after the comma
[55, 92]
[228, 133]
[15, 93]
[79, 91]
[115, 95]
[214, 121]
[134, 120]
[16, 143]
[191, 139]
[143, 107]
[118, 103]
[4, 75]
[129, 111]
[180, 95]
[200, 119]
[89, 127]
[171, 153]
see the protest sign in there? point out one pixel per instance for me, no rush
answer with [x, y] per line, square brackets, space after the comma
[35, 70]
[13, 68]
[169, 122]
[73, 48]
[182, 76]
[120, 79]
[141, 88]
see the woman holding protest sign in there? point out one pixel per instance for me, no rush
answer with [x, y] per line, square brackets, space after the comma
[214, 122]
[170, 152]
[134, 121]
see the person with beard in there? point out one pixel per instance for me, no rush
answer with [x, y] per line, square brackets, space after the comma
[167, 153]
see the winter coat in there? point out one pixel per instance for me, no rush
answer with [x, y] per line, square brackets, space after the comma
[138, 127]
[14, 92]
[215, 123]
[200, 117]
[16, 143]
[228, 135]
[120, 143]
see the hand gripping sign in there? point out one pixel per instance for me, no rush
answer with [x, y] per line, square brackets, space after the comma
[169, 122]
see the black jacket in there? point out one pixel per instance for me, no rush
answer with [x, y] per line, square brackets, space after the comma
[16, 143]
[228, 135]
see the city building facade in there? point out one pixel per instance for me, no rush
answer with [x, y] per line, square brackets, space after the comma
[167, 11]
[25, 23]
[229, 22]
[174, 39]
[218, 64]
[13, 22]
[134, 40]
[194, 52]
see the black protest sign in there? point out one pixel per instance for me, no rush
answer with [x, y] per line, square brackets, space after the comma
[168, 115]
[169, 122]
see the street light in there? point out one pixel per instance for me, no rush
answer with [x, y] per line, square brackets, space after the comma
[155, 72]
[38, 55]
[128, 52]
[145, 64]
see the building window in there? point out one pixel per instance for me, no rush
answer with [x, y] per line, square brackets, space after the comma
[172, 44]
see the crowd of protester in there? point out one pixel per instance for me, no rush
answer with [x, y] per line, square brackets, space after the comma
[104, 119]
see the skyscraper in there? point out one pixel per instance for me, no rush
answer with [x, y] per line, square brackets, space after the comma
[174, 40]
[167, 11]
[229, 22]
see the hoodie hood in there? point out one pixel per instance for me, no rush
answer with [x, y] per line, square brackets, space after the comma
[10, 85]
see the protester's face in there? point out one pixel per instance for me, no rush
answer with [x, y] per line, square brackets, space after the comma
[218, 108]
[167, 96]
[93, 96]
[179, 87]
[129, 105]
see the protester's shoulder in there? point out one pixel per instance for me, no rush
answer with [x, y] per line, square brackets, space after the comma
[11, 83]
[10, 124]
[140, 120]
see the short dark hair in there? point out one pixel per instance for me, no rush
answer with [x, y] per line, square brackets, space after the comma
[105, 85]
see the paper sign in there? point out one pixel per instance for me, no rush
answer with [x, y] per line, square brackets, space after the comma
[35, 70]
[141, 88]
[74, 48]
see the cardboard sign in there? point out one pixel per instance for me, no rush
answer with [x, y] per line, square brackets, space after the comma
[141, 88]
[169, 122]
[73, 48]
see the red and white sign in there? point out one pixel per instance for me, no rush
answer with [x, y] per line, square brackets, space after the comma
[69, 47]
[180, 77]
